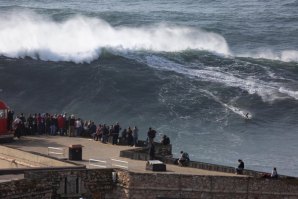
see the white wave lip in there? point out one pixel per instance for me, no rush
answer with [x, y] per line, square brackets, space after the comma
[285, 55]
[80, 38]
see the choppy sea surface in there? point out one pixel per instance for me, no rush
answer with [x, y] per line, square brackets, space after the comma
[190, 69]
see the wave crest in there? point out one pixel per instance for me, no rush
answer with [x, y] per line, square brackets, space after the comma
[285, 55]
[79, 39]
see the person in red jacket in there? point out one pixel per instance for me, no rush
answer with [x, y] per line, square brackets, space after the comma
[61, 124]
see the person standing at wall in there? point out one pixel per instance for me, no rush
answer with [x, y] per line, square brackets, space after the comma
[135, 135]
[151, 135]
[116, 133]
[61, 124]
[71, 126]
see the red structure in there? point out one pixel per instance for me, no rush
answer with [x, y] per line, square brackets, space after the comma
[4, 130]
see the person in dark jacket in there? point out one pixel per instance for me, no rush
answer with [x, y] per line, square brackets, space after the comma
[151, 135]
[105, 134]
[165, 140]
[184, 159]
[71, 123]
[240, 168]
[152, 152]
[129, 137]
[92, 129]
[116, 133]
[30, 126]
[9, 119]
[124, 136]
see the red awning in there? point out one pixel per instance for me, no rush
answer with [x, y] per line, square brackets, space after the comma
[3, 105]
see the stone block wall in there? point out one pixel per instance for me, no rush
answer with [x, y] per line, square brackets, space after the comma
[99, 184]
[26, 188]
[170, 186]
[136, 154]
[76, 183]
[60, 183]
[161, 151]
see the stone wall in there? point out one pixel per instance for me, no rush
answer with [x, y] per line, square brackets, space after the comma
[161, 151]
[62, 183]
[99, 184]
[170, 186]
[216, 167]
[26, 188]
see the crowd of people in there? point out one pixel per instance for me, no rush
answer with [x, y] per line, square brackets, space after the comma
[51, 124]
[69, 125]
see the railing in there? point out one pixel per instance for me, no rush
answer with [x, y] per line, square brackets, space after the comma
[119, 163]
[97, 163]
[56, 151]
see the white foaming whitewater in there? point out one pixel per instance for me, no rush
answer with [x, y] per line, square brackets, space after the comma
[285, 55]
[79, 39]
[268, 91]
[238, 111]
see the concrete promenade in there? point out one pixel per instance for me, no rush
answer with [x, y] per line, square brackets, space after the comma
[99, 151]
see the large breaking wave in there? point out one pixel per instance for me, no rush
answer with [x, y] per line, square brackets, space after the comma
[80, 39]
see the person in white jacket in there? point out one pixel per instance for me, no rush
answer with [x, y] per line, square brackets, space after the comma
[274, 173]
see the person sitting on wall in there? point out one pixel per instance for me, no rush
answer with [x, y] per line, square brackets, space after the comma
[240, 168]
[184, 159]
[274, 173]
[165, 140]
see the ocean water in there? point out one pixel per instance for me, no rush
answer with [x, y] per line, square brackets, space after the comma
[190, 69]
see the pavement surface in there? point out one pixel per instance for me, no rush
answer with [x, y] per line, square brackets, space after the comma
[105, 154]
